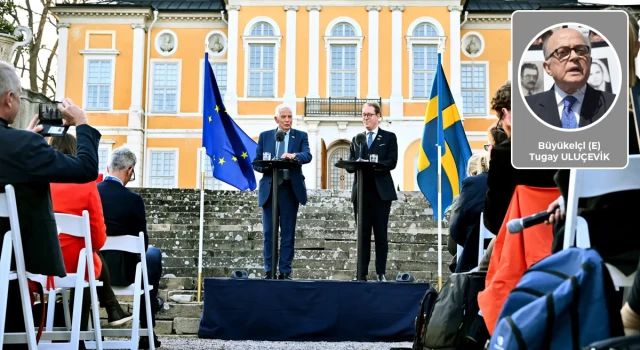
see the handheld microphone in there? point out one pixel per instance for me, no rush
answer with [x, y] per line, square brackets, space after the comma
[279, 139]
[517, 225]
[360, 140]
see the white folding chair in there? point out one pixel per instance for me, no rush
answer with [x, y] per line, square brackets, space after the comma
[77, 226]
[12, 245]
[485, 235]
[131, 244]
[585, 183]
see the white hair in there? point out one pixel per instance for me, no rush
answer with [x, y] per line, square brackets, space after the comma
[281, 107]
[122, 159]
[9, 80]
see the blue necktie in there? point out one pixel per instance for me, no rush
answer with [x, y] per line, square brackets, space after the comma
[568, 119]
[370, 139]
[281, 148]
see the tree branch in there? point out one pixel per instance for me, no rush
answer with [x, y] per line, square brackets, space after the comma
[47, 69]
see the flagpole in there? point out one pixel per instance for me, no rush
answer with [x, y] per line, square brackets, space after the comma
[200, 240]
[441, 124]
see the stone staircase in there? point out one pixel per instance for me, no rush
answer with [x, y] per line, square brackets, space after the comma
[325, 242]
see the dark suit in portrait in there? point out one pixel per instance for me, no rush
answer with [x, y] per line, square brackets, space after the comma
[594, 105]
[379, 192]
[292, 192]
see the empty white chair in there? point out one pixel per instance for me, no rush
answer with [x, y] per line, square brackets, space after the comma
[585, 183]
[485, 235]
[131, 244]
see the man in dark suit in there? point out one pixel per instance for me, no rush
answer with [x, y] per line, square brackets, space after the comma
[379, 190]
[124, 214]
[571, 103]
[29, 163]
[292, 190]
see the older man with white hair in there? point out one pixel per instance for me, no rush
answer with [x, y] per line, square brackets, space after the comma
[29, 163]
[124, 214]
[292, 190]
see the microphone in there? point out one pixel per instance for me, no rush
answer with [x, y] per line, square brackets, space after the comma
[279, 139]
[517, 225]
[360, 140]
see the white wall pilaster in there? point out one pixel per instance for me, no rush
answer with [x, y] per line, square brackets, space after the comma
[396, 100]
[314, 50]
[290, 70]
[374, 28]
[61, 77]
[231, 96]
[455, 79]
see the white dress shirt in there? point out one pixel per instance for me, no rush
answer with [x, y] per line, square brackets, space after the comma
[373, 137]
[576, 107]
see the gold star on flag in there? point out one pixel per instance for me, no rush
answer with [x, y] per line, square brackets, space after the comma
[210, 119]
[234, 158]
[217, 108]
[221, 161]
[244, 155]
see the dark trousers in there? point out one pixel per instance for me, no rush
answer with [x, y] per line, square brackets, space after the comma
[376, 217]
[288, 212]
[154, 272]
[105, 295]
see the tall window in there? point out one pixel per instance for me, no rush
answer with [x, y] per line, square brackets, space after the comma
[220, 70]
[343, 63]
[163, 169]
[103, 159]
[474, 89]
[99, 80]
[425, 60]
[210, 182]
[165, 87]
[262, 63]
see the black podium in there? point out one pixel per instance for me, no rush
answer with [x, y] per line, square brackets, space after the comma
[360, 167]
[275, 165]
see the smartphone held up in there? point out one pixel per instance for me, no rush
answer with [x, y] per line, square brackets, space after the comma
[51, 120]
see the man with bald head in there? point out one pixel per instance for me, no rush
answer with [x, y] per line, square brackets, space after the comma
[571, 103]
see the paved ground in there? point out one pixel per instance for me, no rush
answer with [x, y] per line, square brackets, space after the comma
[176, 343]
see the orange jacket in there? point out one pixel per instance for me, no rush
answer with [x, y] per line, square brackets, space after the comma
[513, 254]
[73, 199]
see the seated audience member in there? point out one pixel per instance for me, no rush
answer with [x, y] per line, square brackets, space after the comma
[630, 312]
[30, 164]
[124, 214]
[73, 199]
[503, 177]
[465, 215]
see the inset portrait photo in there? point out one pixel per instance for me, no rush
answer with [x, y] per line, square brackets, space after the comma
[569, 76]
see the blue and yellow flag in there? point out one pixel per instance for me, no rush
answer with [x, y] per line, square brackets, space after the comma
[230, 149]
[442, 127]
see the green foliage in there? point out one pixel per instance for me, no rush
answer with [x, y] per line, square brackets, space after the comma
[7, 7]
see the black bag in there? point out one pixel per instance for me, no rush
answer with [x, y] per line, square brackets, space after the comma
[454, 323]
[424, 311]
[617, 343]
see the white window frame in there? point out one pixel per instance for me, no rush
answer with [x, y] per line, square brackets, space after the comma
[202, 156]
[201, 82]
[421, 40]
[150, 150]
[109, 147]
[98, 55]
[248, 39]
[343, 40]
[487, 93]
[178, 88]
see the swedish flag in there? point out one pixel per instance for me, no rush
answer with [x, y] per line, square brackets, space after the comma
[230, 149]
[442, 127]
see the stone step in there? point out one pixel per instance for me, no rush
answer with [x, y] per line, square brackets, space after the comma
[314, 221]
[302, 216]
[254, 209]
[214, 198]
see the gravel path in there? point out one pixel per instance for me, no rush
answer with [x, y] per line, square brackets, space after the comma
[179, 343]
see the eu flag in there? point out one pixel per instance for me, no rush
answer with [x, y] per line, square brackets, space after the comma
[230, 149]
[442, 127]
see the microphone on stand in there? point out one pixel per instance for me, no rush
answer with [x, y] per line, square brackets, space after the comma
[360, 140]
[517, 225]
[279, 139]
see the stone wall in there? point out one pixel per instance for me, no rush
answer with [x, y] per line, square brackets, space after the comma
[29, 102]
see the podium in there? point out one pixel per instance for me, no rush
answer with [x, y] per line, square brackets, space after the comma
[360, 167]
[275, 165]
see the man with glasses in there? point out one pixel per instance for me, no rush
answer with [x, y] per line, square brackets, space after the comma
[571, 103]
[379, 190]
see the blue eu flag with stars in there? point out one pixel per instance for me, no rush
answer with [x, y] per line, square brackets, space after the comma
[230, 149]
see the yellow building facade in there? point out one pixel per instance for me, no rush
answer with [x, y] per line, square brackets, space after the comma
[138, 74]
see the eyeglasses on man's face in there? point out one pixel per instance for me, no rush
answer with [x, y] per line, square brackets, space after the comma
[564, 52]
[133, 175]
[368, 115]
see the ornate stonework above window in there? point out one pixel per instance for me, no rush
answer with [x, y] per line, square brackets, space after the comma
[166, 43]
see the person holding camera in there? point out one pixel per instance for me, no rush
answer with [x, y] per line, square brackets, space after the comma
[30, 164]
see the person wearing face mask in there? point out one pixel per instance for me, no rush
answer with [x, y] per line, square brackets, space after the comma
[571, 103]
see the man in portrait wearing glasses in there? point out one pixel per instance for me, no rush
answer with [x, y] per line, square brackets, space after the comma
[379, 190]
[571, 103]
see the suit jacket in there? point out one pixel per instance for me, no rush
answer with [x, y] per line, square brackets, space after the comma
[298, 144]
[596, 103]
[502, 181]
[29, 163]
[73, 199]
[465, 219]
[385, 146]
[124, 214]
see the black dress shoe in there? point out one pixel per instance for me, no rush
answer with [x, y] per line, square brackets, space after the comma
[364, 279]
[143, 343]
[285, 276]
[381, 278]
[268, 275]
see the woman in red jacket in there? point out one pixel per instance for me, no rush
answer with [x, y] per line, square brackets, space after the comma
[73, 199]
